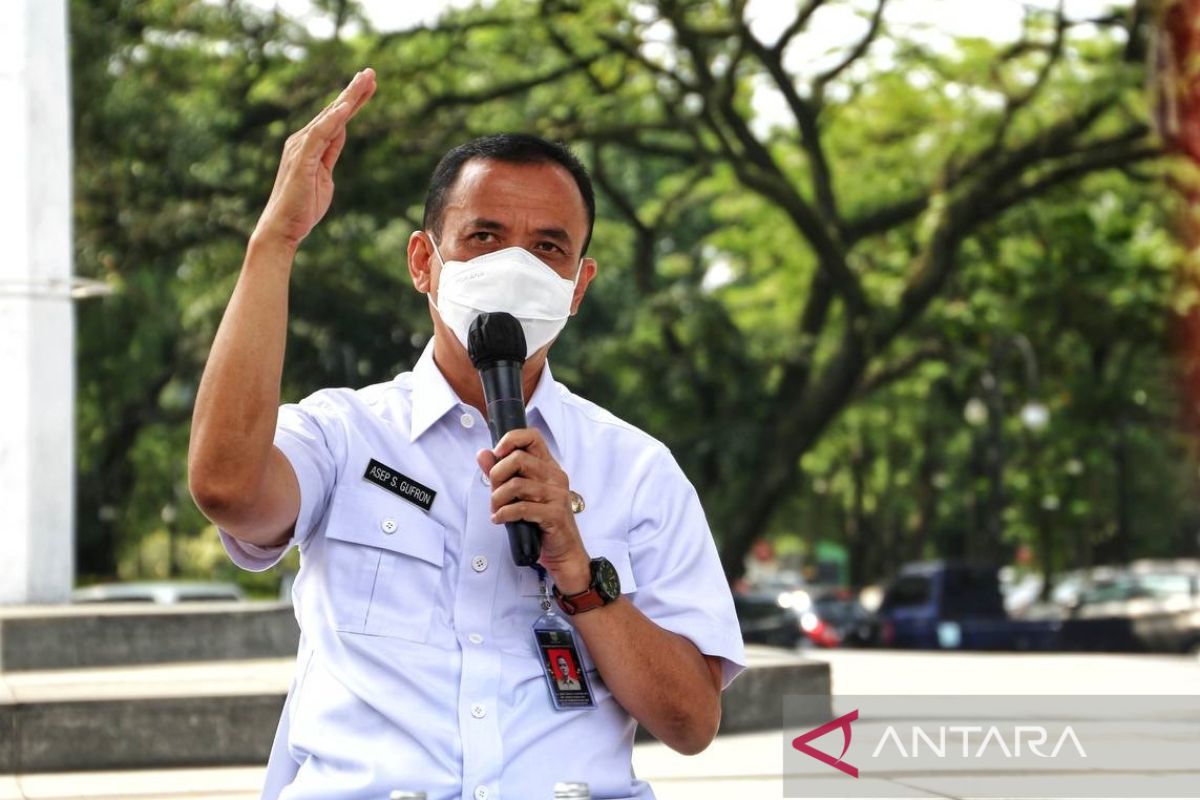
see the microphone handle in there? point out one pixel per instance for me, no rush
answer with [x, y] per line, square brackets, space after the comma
[506, 411]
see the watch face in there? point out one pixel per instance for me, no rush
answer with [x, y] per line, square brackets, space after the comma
[607, 582]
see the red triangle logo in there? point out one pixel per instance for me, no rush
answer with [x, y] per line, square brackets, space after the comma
[843, 722]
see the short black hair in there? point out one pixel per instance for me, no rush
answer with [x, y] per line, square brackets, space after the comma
[513, 148]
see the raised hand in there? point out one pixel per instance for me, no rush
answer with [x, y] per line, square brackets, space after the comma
[304, 184]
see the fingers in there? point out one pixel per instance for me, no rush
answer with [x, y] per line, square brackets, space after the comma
[334, 149]
[520, 489]
[544, 515]
[352, 93]
[365, 95]
[527, 482]
[526, 465]
[528, 439]
[333, 118]
[486, 459]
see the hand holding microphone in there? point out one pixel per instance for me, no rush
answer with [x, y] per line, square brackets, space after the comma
[496, 345]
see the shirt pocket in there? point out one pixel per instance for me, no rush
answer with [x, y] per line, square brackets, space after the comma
[384, 564]
[517, 607]
[518, 603]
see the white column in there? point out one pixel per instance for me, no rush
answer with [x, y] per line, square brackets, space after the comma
[37, 380]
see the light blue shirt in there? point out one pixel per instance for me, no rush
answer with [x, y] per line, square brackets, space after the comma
[417, 667]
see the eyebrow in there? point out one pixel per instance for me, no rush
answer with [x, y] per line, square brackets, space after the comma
[557, 234]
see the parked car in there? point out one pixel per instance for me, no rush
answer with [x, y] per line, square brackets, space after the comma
[764, 620]
[956, 605]
[837, 619]
[1148, 606]
[783, 611]
[1022, 596]
[162, 592]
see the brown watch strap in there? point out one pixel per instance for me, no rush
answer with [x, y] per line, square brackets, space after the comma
[578, 603]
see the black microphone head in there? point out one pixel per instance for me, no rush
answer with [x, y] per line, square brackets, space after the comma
[495, 336]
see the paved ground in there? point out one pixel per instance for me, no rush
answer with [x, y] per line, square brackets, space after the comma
[748, 766]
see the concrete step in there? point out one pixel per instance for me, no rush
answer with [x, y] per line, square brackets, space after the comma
[211, 783]
[116, 634]
[224, 713]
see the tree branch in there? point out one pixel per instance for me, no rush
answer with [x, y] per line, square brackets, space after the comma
[763, 174]
[1014, 103]
[858, 51]
[796, 26]
[1054, 141]
[445, 27]
[508, 89]
[805, 114]
[1074, 169]
[883, 219]
[885, 375]
[647, 232]
[986, 197]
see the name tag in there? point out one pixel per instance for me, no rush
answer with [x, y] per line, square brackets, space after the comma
[400, 484]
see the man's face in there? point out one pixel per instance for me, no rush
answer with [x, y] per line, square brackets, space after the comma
[563, 670]
[493, 205]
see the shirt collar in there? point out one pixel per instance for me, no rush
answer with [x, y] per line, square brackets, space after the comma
[433, 397]
[547, 404]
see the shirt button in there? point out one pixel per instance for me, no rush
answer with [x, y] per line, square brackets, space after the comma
[479, 563]
[388, 525]
[475, 638]
[481, 793]
[467, 420]
[478, 711]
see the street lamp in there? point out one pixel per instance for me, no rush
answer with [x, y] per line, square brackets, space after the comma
[975, 412]
[1035, 416]
[988, 410]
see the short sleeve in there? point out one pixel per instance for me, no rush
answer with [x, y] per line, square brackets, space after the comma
[310, 435]
[680, 583]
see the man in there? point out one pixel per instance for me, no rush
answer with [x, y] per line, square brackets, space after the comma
[419, 667]
[565, 681]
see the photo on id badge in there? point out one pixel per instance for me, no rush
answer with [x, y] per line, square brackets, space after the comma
[560, 661]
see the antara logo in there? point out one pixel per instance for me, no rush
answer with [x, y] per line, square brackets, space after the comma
[1024, 738]
[843, 722]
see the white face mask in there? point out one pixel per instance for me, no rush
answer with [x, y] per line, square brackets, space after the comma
[512, 280]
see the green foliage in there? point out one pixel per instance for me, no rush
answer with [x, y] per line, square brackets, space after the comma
[971, 195]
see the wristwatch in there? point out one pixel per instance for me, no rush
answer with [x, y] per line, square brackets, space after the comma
[605, 588]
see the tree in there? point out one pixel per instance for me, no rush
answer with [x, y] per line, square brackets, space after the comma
[877, 207]
[763, 275]
[180, 111]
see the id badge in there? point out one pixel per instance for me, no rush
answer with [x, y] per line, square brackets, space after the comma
[554, 641]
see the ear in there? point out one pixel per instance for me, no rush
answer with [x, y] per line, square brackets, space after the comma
[586, 272]
[421, 261]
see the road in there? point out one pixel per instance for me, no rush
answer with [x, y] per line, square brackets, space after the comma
[745, 766]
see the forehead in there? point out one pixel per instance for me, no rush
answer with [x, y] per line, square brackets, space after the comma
[538, 195]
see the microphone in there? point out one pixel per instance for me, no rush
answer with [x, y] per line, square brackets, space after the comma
[496, 345]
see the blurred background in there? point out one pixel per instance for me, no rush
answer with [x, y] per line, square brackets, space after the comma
[893, 285]
[907, 286]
